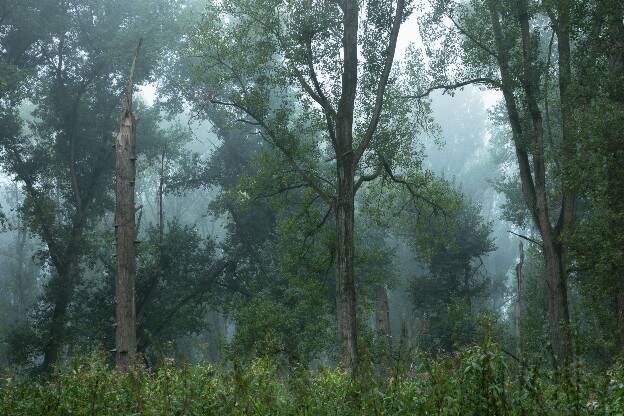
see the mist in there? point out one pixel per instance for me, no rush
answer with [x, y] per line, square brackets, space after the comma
[251, 199]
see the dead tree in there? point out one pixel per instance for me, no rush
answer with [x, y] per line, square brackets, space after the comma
[125, 228]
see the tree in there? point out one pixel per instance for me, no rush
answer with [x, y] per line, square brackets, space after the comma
[500, 49]
[64, 160]
[455, 286]
[316, 80]
[125, 233]
[597, 241]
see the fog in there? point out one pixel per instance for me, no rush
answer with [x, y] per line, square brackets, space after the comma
[372, 187]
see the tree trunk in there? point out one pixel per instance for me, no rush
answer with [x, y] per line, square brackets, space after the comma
[558, 315]
[20, 257]
[125, 232]
[161, 188]
[62, 289]
[382, 313]
[518, 311]
[344, 205]
[345, 288]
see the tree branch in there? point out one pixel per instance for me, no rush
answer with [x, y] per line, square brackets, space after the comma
[408, 185]
[367, 178]
[283, 189]
[305, 175]
[473, 38]
[449, 87]
[524, 237]
[383, 82]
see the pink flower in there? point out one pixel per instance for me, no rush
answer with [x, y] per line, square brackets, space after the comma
[489, 353]
[457, 354]
[425, 376]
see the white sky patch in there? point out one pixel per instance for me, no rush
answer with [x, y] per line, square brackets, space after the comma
[410, 34]
[490, 98]
[147, 92]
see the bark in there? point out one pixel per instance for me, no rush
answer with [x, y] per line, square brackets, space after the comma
[345, 279]
[558, 313]
[345, 296]
[125, 232]
[568, 204]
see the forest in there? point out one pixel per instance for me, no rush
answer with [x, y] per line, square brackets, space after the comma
[312, 207]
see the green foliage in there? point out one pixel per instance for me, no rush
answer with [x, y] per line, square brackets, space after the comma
[475, 381]
[178, 279]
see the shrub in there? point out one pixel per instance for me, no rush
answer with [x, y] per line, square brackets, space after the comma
[476, 381]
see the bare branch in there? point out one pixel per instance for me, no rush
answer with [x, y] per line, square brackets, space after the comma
[283, 189]
[524, 237]
[450, 87]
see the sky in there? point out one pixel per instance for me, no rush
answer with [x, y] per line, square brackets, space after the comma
[410, 33]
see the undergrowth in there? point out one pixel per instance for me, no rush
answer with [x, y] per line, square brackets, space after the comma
[476, 381]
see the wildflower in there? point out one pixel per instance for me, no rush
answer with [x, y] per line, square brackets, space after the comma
[592, 405]
[489, 353]
[425, 376]
[457, 354]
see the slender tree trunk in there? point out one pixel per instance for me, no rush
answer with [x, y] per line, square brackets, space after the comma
[161, 188]
[125, 232]
[20, 251]
[345, 296]
[382, 313]
[344, 204]
[558, 314]
[519, 297]
[467, 290]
